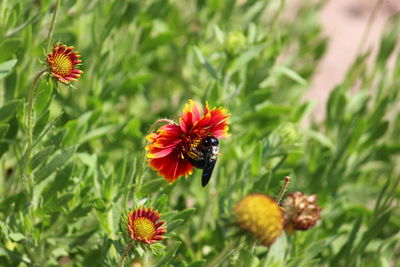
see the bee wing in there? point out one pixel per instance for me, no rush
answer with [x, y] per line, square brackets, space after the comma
[207, 171]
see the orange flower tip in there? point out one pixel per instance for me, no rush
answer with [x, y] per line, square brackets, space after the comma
[261, 216]
[63, 63]
[77, 71]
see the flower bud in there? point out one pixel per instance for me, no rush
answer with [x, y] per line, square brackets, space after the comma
[236, 41]
[288, 133]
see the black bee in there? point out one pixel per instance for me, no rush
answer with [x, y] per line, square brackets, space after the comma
[204, 156]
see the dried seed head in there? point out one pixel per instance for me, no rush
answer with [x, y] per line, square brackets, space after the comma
[301, 211]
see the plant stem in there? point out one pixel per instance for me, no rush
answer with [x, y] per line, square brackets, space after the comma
[367, 30]
[285, 185]
[53, 21]
[158, 122]
[278, 13]
[218, 259]
[30, 109]
[126, 251]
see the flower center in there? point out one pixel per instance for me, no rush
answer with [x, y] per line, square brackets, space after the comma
[62, 65]
[193, 140]
[144, 228]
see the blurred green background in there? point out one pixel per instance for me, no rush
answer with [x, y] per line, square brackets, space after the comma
[142, 61]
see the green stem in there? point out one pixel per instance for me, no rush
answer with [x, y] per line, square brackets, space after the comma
[367, 31]
[126, 251]
[218, 259]
[283, 189]
[278, 13]
[53, 21]
[30, 109]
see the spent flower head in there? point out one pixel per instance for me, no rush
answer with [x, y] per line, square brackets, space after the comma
[63, 63]
[169, 148]
[301, 211]
[261, 216]
[144, 225]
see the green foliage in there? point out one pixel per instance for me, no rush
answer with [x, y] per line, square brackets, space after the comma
[64, 202]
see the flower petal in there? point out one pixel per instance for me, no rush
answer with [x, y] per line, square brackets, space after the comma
[191, 114]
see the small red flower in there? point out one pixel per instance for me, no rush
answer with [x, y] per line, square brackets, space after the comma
[168, 147]
[144, 226]
[63, 63]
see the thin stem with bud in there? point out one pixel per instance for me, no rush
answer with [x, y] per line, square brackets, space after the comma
[285, 185]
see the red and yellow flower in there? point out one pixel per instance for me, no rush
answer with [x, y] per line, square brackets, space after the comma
[168, 147]
[63, 63]
[261, 216]
[143, 225]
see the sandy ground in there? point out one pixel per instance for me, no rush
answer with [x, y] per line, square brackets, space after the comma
[344, 22]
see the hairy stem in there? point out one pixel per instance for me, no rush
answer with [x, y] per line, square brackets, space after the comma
[30, 109]
[126, 251]
[218, 259]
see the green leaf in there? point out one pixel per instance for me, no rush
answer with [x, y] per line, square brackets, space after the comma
[174, 224]
[3, 130]
[170, 255]
[198, 263]
[321, 138]
[346, 249]
[257, 159]
[249, 258]
[41, 124]
[9, 47]
[219, 34]
[42, 155]
[375, 134]
[58, 161]
[108, 129]
[276, 254]
[8, 110]
[388, 42]
[16, 237]
[203, 60]
[61, 181]
[246, 57]
[6, 67]
[185, 214]
[290, 74]
[43, 96]
[10, 85]
[152, 186]
[58, 203]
